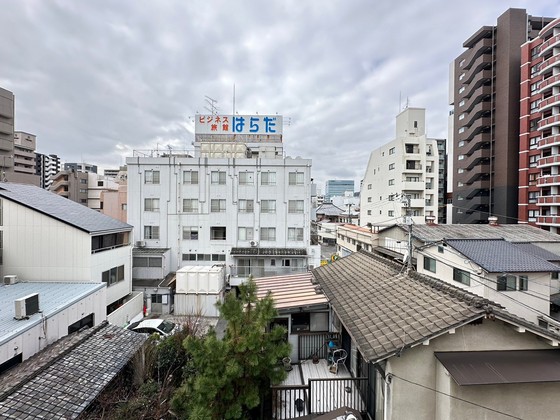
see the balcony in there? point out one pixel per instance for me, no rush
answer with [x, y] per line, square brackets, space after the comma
[482, 78]
[549, 122]
[548, 200]
[550, 43]
[473, 160]
[549, 141]
[549, 28]
[551, 62]
[477, 127]
[477, 111]
[477, 96]
[548, 180]
[6, 128]
[480, 184]
[549, 102]
[413, 185]
[479, 53]
[258, 271]
[549, 83]
[553, 220]
[481, 63]
[548, 161]
[473, 176]
[476, 143]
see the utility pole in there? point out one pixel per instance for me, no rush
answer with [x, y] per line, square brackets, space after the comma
[405, 199]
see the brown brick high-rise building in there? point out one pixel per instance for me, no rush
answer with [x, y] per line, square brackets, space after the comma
[486, 97]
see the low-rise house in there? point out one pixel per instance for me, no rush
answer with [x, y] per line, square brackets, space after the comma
[352, 238]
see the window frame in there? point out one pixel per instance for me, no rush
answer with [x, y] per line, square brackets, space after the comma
[461, 276]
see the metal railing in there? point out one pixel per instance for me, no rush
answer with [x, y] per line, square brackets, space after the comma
[310, 344]
[246, 271]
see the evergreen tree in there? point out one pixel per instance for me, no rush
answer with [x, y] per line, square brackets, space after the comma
[226, 378]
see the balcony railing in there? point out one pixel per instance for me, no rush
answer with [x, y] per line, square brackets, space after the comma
[547, 83]
[549, 102]
[546, 122]
[550, 43]
[548, 180]
[548, 161]
[256, 271]
[548, 220]
[552, 61]
[548, 199]
[549, 141]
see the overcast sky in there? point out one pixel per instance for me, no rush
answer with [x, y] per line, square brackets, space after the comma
[95, 80]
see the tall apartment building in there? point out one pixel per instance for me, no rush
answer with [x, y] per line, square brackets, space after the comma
[408, 166]
[25, 158]
[7, 115]
[337, 187]
[486, 96]
[236, 200]
[539, 139]
[46, 167]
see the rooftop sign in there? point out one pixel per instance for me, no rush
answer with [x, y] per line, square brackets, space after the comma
[238, 124]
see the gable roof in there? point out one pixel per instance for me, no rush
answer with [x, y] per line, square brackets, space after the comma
[386, 311]
[539, 252]
[293, 291]
[62, 209]
[499, 256]
[329, 209]
[510, 233]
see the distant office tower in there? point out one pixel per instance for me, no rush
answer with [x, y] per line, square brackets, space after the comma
[337, 187]
[539, 140]
[405, 172]
[486, 95]
[47, 166]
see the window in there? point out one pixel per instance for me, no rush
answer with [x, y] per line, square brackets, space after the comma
[462, 89]
[533, 196]
[535, 86]
[218, 233]
[533, 125]
[533, 214]
[150, 177]
[534, 106]
[245, 233]
[295, 178]
[218, 257]
[151, 204]
[369, 199]
[246, 178]
[461, 157]
[190, 233]
[189, 257]
[190, 205]
[534, 70]
[462, 116]
[268, 206]
[218, 177]
[523, 283]
[268, 178]
[113, 276]
[295, 206]
[462, 102]
[462, 276]
[217, 205]
[534, 142]
[462, 130]
[391, 182]
[462, 62]
[369, 212]
[245, 206]
[83, 181]
[391, 166]
[534, 52]
[190, 177]
[369, 186]
[392, 151]
[268, 234]
[462, 76]
[429, 264]
[391, 213]
[295, 234]
[506, 283]
[146, 262]
[151, 232]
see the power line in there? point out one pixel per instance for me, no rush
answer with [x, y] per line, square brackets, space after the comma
[457, 398]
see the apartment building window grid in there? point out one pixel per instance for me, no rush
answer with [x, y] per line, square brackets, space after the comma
[246, 206]
[295, 178]
[268, 234]
[295, 234]
[151, 232]
[268, 206]
[190, 233]
[190, 177]
[217, 205]
[151, 204]
[217, 233]
[218, 177]
[190, 205]
[295, 206]
[245, 233]
[268, 178]
[246, 178]
[150, 177]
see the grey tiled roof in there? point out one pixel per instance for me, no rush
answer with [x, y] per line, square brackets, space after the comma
[499, 256]
[66, 387]
[62, 209]
[329, 209]
[385, 310]
[539, 252]
[511, 233]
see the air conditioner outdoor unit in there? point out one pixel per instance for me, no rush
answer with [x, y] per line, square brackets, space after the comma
[253, 243]
[10, 279]
[27, 306]
[140, 244]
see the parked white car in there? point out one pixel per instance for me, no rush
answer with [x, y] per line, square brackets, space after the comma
[154, 326]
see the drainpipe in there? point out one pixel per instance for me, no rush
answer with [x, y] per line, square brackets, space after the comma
[387, 399]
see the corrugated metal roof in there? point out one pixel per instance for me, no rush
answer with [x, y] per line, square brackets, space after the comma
[149, 251]
[291, 291]
[502, 367]
[65, 388]
[53, 298]
[499, 256]
[62, 209]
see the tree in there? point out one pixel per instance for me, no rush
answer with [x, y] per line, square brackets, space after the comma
[226, 378]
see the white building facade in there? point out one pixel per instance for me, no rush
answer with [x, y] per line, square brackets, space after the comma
[405, 167]
[235, 201]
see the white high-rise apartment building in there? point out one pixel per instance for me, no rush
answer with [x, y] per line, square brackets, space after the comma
[236, 200]
[403, 171]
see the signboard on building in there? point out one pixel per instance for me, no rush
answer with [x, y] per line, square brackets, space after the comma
[238, 124]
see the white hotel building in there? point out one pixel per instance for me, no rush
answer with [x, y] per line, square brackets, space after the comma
[236, 200]
[407, 166]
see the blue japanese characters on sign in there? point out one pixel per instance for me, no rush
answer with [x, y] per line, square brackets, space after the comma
[238, 124]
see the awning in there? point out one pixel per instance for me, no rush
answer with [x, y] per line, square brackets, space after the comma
[501, 367]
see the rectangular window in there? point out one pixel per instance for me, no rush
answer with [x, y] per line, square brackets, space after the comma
[245, 233]
[151, 204]
[217, 205]
[151, 232]
[268, 178]
[391, 166]
[369, 199]
[534, 106]
[523, 283]
[369, 186]
[534, 142]
[218, 177]
[150, 177]
[295, 234]
[246, 178]
[268, 234]
[218, 257]
[462, 276]
[113, 276]
[268, 206]
[295, 206]
[535, 70]
[189, 257]
[218, 233]
[246, 206]
[430, 264]
[295, 178]
[391, 182]
[391, 213]
[392, 151]
[533, 197]
[190, 233]
[506, 283]
[190, 205]
[146, 262]
[190, 177]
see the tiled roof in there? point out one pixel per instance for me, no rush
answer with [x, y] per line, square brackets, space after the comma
[62, 209]
[291, 291]
[510, 233]
[329, 209]
[269, 251]
[539, 252]
[385, 310]
[499, 256]
[66, 387]
[149, 251]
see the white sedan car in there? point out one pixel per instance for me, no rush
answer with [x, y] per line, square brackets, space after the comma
[150, 326]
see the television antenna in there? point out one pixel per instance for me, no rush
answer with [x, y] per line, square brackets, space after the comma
[211, 106]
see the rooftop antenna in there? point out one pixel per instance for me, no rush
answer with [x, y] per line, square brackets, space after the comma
[211, 105]
[233, 110]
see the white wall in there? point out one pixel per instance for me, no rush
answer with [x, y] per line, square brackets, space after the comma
[105, 260]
